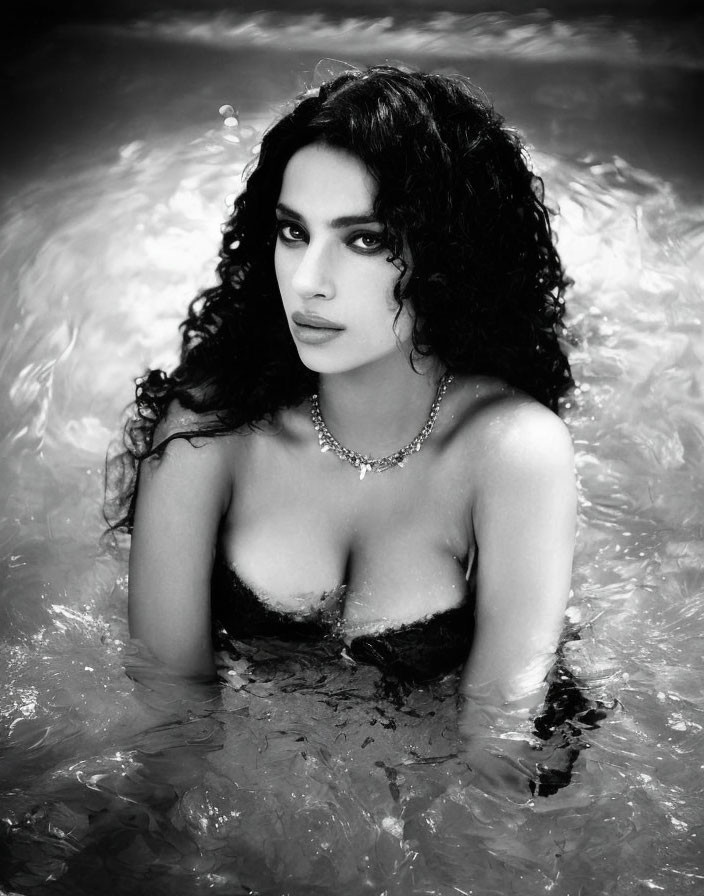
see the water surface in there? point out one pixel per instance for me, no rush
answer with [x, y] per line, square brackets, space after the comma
[117, 176]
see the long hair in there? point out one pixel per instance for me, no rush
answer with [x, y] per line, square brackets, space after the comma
[453, 185]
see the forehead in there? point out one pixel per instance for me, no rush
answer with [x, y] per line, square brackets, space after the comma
[323, 182]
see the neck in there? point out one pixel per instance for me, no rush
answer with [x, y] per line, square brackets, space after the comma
[378, 408]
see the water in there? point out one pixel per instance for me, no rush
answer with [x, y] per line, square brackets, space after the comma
[286, 779]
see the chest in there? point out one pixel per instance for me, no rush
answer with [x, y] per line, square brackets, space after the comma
[397, 543]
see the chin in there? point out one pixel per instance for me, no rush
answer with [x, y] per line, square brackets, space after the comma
[319, 364]
[330, 365]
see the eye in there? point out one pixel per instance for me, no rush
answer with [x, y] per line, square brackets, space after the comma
[290, 232]
[369, 241]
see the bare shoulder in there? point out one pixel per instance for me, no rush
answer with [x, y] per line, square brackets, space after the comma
[181, 421]
[526, 435]
[186, 453]
[509, 430]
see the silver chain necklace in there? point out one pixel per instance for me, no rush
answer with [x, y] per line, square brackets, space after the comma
[363, 462]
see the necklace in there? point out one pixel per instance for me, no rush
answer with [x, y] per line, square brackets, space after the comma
[363, 462]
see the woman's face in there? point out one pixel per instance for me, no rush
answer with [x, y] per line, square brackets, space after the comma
[335, 282]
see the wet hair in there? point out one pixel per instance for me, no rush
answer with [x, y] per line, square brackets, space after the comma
[453, 185]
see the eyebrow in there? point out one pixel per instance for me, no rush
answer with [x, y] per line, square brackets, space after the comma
[344, 221]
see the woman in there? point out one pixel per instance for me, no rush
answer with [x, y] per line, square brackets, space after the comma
[361, 438]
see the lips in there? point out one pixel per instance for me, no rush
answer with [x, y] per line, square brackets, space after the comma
[316, 321]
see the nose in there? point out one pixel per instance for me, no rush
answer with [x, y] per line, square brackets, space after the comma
[313, 277]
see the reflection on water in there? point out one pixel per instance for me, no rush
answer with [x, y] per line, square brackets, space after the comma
[284, 781]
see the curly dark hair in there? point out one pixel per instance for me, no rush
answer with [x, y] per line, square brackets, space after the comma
[454, 186]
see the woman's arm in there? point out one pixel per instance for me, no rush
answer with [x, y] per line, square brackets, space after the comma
[182, 498]
[524, 520]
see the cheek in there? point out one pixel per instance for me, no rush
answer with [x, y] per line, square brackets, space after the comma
[281, 271]
[402, 321]
[404, 324]
[382, 283]
[277, 261]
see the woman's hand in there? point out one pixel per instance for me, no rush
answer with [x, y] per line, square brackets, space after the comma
[500, 748]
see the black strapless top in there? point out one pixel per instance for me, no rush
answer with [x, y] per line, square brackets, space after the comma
[418, 651]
